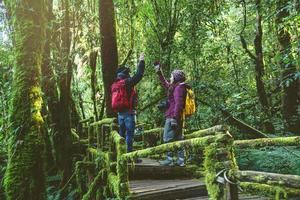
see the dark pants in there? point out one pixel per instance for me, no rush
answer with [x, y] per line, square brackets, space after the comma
[171, 135]
[126, 122]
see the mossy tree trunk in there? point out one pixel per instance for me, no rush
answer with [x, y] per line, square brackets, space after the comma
[290, 102]
[63, 140]
[93, 64]
[49, 87]
[109, 52]
[25, 176]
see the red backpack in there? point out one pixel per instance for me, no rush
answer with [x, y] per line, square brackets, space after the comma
[120, 99]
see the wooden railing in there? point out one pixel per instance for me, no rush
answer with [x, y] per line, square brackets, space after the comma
[107, 156]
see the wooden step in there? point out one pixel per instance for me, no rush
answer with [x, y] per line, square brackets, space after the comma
[167, 189]
[241, 197]
[151, 169]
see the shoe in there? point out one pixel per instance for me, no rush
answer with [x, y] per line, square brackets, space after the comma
[166, 162]
[180, 163]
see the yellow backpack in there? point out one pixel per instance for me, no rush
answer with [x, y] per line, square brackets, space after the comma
[190, 105]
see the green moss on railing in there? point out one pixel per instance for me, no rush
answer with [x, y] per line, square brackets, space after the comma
[275, 192]
[119, 182]
[206, 132]
[174, 146]
[213, 188]
[262, 142]
[103, 121]
[98, 183]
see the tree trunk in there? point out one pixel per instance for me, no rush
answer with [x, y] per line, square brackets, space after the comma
[259, 70]
[109, 52]
[49, 88]
[63, 139]
[93, 63]
[259, 66]
[25, 176]
[290, 85]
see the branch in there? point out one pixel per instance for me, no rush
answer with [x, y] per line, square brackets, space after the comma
[245, 47]
[244, 43]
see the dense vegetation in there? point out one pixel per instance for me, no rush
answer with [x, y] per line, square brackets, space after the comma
[58, 59]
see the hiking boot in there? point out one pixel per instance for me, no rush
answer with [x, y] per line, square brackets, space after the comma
[180, 162]
[166, 162]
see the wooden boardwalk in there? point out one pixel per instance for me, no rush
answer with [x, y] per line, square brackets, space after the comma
[159, 184]
[167, 189]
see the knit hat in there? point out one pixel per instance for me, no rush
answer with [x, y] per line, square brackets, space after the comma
[123, 72]
[178, 75]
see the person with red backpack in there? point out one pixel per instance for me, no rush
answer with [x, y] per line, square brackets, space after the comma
[173, 130]
[124, 100]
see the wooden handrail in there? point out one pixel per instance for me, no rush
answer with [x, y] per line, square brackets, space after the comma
[263, 142]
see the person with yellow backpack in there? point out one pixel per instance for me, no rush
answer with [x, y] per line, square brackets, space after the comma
[181, 104]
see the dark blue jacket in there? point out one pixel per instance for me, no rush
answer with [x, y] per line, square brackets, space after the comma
[132, 81]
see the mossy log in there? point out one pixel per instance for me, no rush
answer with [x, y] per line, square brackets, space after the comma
[262, 142]
[98, 184]
[269, 178]
[104, 121]
[275, 192]
[206, 132]
[174, 146]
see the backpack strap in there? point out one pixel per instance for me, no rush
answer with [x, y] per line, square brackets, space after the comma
[133, 93]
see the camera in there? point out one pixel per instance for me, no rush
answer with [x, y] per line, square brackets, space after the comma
[163, 105]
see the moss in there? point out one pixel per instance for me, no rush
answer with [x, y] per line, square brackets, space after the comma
[98, 184]
[36, 104]
[174, 146]
[114, 184]
[275, 192]
[25, 176]
[119, 182]
[206, 132]
[213, 188]
[263, 142]
[103, 121]
[80, 184]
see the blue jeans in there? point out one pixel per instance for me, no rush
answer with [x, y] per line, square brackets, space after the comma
[171, 135]
[126, 122]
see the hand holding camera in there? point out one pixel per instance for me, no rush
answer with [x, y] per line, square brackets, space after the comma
[156, 65]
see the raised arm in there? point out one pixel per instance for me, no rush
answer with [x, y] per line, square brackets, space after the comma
[132, 81]
[163, 81]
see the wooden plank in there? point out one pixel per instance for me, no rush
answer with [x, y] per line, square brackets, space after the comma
[167, 189]
[151, 169]
[242, 197]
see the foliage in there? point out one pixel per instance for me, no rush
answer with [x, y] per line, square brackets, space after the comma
[200, 37]
[269, 159]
